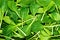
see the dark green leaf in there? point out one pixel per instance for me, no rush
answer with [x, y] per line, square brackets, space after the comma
[34, 8]
[8, 30]
[24, 13]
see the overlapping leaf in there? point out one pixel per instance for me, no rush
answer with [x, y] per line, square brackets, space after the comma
[29, 19]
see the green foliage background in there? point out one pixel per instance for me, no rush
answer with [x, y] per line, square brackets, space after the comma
[29, 19]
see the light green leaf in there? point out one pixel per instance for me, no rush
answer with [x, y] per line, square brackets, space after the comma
[55, 16]
[40, 10]
[8, 20]
[48, 31]
[44, 33]
[2, 10]
[43, 37]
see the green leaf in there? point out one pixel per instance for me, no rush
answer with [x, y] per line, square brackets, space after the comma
[20, 35]
[55, 32]
[34, 8]
[13, 16]
[2, 10]
[24, 13]
[24, 30]
[48, 6]
[27, 29]
[43, 37]
[44, 33]
[59, 29]
[47, 18]
[8, 20]
[2, 39]
[57, 2]
[13, 7]
[43, 2]
[8, 30]
[25, 3]
[48, 31]
[21, 19]
[40, 10]
[55, 16]
[18, 1]
[37, 26]
[1, 2]
[52, 8]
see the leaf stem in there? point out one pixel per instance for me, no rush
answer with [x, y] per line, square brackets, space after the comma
[53, 25]
[35, 35]
[18, 34]
[55, 36]
[57, 8]
[6, 36]
[21, 31]
[18, 14]
[43, 16]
